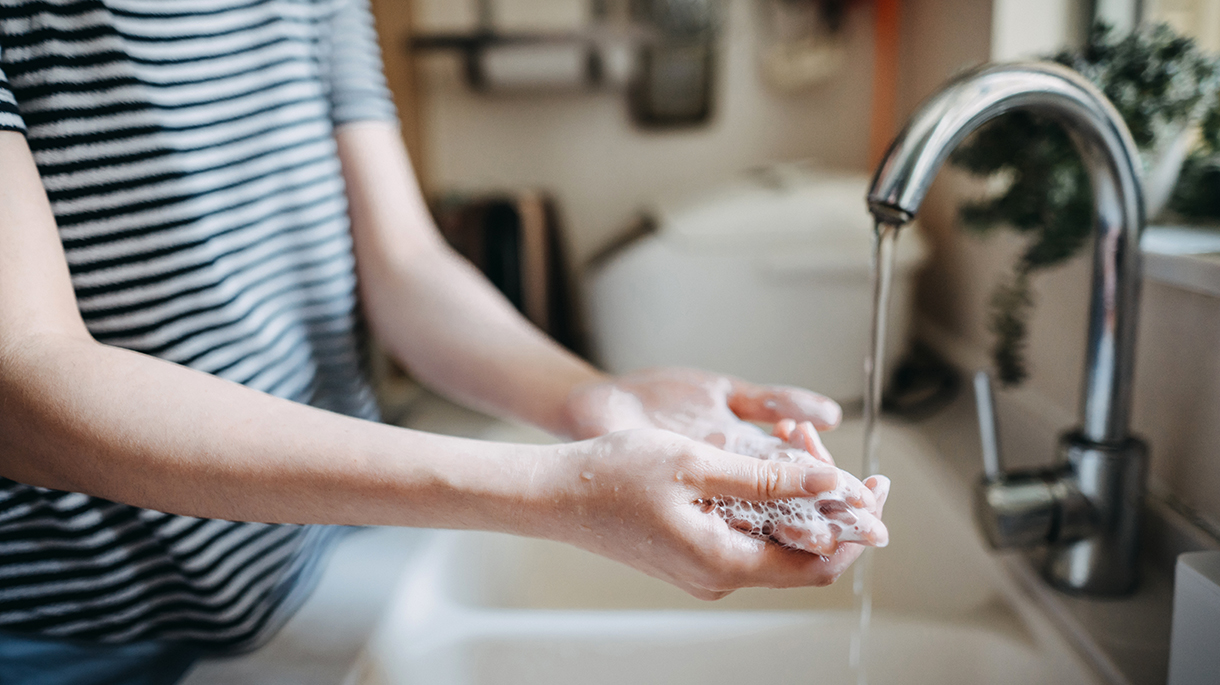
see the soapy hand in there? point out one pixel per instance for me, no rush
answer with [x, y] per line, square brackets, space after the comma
[704, 406]
[819, 530]
[717, 409]
[641, 496]
[850, 512]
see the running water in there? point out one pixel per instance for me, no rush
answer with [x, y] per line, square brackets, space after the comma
[884, 236]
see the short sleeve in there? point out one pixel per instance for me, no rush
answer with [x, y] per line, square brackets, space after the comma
[10, 115]
[356, 82]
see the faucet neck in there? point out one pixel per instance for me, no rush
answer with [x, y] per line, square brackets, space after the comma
[1110, 156]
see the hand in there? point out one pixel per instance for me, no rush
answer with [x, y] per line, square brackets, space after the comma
[703, 406]
[635, 496]
[816, 524]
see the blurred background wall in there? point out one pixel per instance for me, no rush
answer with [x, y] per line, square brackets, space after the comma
[583, 148]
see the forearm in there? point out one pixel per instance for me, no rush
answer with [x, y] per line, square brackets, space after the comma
[433, 311]
[84, 417]
[443, 321]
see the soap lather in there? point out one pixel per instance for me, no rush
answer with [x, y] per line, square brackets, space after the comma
[816, 524]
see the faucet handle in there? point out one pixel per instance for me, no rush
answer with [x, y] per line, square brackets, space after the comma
[1023, 508]
[984, 402]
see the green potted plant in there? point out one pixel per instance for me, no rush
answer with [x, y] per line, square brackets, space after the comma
[1167, 91]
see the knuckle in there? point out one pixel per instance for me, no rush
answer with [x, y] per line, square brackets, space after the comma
[688, 466]
[770, 481]
[687, 461]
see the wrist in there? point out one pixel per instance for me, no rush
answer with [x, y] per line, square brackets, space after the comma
[520, 489]
[583, 414]
[550, 498]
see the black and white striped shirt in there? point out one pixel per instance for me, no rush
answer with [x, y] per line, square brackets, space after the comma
[187, 149]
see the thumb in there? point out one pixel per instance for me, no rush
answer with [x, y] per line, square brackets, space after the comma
[760, 480]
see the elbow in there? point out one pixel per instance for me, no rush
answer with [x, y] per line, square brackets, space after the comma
[35, 373]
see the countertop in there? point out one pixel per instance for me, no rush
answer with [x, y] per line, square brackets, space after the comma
[1183, 257]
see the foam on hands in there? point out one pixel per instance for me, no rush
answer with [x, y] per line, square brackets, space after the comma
[815, 524]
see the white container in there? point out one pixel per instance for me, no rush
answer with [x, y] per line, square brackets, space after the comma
[767, 278]
[1193, 657]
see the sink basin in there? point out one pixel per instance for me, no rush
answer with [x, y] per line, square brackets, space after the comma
[745, 647]
[488, 608]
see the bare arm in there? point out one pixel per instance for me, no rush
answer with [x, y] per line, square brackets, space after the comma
[434, 312]
[80, 416]
[444, 321]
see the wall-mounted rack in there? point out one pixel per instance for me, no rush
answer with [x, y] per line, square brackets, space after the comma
[661, 52]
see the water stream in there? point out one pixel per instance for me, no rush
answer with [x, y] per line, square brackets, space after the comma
[884, 238]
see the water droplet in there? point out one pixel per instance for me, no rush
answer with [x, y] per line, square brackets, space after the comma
[586, 475]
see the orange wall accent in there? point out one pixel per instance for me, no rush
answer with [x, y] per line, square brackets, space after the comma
[393, 19]
[886, 43]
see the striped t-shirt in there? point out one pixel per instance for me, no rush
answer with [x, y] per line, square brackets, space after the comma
[187, 149]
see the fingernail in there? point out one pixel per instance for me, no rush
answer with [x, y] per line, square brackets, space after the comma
[818, 480]
[880, 484]
[880, 488]
[826, 410]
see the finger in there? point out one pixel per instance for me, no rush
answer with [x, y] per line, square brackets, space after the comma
[867, 529]
[806, 437]
[816, 539]
[783, 429]
[880, 487]
[761, 480]
[857, 494]
[876, 534]
[773, 403]
[758, 564]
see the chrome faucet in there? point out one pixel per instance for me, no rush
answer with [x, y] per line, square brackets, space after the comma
[1086, 508]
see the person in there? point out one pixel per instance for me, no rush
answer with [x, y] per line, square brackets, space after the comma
[203, 203]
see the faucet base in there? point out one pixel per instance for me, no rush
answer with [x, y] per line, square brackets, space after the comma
[1098, 539]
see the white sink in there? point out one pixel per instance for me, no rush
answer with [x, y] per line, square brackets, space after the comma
[480, 608]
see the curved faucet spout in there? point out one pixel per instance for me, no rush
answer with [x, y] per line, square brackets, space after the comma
[1111, 158]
